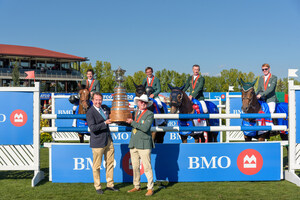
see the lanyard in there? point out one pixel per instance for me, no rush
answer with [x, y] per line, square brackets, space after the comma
[267, 82]
[87, 83]
[140, 116]
[194, 84]
[151, 81]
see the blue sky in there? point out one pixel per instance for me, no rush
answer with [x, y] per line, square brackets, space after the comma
[133, 34]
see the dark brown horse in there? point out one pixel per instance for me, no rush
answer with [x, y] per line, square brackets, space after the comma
[180, 103]
[250, 104]
[158, 137]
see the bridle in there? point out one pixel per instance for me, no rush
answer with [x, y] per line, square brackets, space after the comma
[176, 99]
[250, 99]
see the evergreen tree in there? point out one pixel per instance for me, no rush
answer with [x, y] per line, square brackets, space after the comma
[16, 75]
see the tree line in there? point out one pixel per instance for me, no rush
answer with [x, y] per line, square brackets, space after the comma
[231, 77]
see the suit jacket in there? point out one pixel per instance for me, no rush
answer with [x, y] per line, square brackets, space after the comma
[95, 87]
[155, 86]
[142, 139]
[269, 94]
[98, 129]
[197, 92]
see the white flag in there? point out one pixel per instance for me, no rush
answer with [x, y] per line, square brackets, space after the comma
[292, 73]
[231, 88]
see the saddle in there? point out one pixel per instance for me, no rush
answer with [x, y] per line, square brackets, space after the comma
[258, 121]
[157, 110]
[198, 109]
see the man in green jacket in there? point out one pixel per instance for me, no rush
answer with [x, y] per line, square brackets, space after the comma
[141, 144]
[153, 82]
[266, 87]
[92, 84]
[195, 84]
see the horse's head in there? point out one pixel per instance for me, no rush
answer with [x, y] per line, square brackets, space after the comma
[139, 89]
[84, 99]
[176, 98]
[149, 90]
[248, 97]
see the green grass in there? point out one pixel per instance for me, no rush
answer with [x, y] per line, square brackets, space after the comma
[17, 185]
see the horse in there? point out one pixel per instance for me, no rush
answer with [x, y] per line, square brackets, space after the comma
[82, 100]
[158, 137]
[180, 103]
[250, 104]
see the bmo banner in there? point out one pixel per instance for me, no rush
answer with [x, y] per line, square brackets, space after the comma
[175, 162]
[16, 118]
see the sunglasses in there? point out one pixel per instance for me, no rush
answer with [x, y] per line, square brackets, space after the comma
[264, 69]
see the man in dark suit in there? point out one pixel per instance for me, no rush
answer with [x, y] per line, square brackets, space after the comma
[101, 142]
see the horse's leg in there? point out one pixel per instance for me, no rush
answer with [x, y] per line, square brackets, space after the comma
[160, 137]
[81, 138]
[209, 136]
[154, 136]
[284, 136]
[197, 137]
[247, 139]
[215, 136]
[184, 138]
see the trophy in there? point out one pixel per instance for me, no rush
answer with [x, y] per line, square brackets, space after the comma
[120, 105]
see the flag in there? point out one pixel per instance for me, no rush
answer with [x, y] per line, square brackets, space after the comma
[292, 73]
[231, 88]
[30, 75]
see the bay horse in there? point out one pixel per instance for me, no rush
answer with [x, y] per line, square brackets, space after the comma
[158, 137]
[180, 103]
[250, 104]
[83, 102]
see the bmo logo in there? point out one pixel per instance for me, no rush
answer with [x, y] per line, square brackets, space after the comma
[250, 162]
[127, 165]
[18, 118]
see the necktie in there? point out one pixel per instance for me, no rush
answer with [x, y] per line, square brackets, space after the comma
[102, 113]
[139, 112]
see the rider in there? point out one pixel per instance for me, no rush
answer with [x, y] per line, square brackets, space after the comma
[153, 82]
[92, 84]
[195, 84]
[266, 87]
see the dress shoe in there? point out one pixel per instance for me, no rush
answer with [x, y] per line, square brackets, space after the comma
[149, 193]
[99, 191]
[113, 189]
[134, 190]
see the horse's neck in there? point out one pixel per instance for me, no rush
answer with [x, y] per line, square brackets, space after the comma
[186, 106]
[255, 107]
[81, 110]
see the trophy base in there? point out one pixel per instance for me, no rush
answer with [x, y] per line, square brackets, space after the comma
[120, 116]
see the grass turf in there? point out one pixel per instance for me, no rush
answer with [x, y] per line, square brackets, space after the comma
[17, 185]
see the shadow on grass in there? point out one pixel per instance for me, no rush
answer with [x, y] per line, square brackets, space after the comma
[16, 174]
[24, 175]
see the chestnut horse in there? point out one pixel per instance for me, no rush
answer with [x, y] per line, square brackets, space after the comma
[250, 104]
[180, 103]
[158, 137]
[83, 105]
